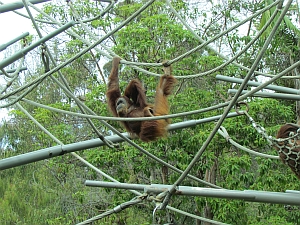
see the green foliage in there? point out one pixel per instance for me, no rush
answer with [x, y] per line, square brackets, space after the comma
[287, 22]
[232, 211]
[273, 220]
[52, 191]
[154, 36]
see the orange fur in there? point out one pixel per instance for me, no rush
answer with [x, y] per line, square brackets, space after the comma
[134, 104]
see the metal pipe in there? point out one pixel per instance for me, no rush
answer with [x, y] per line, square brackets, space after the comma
[17, 5]
[256, 84]
[269, 95]
[4, 46]
[289, 198]
[24, 51]
[13, 70]
[59, 150]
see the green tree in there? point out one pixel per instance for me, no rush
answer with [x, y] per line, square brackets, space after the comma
[51, 191]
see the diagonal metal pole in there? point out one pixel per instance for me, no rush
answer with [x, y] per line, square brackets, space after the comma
[4, 46]
[24, 51]
[228, 108]
[59, 150]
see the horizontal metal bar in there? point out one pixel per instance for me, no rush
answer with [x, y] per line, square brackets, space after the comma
[256, 84]
[63, 149]
[289, 198]
[269, 95]
[4, 46]
[191, 123]
[17, 5]
[24, 51]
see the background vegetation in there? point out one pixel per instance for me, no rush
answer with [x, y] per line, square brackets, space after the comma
[52, 191]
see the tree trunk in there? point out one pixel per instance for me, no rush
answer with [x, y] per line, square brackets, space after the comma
[164, 173]
[297, 86]
[210, 176]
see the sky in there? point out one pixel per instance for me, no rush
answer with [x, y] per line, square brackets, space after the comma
[12, 26]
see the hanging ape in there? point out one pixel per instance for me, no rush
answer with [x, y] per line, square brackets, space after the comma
[289, 153]
[134, 104]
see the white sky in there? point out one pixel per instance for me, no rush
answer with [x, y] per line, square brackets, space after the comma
[12, 26]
